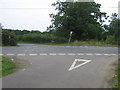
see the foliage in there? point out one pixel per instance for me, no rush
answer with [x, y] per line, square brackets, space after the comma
[41, 38]
[6, 66]
[110, 39]
[114, 29]
[117, 79]
[84, 19]
[9, 38]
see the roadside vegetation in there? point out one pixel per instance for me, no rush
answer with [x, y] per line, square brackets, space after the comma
[6, 66]
[84, 20]
[117, 77]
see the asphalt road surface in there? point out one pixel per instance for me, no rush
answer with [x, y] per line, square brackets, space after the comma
[50, 66]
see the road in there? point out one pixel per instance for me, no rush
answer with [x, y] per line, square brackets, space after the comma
[61, 66]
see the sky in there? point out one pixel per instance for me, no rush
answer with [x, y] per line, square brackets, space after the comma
[34, 14]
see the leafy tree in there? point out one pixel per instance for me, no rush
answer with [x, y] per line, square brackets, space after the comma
[84, 19]
[114, 27]
[9, 38]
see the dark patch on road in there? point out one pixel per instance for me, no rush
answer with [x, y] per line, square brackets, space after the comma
[21, 64]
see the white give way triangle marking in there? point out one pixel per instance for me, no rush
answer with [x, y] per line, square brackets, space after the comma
[73, 66]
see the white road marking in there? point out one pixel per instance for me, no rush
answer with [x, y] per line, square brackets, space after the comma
[10, 54]
[21, 54]
[67, 46]
[113, 54]
[1, 54]
[33, 54]
[73, 66]
[98, 54]
[52, 54]
[61, 54]
[80, 54]
[70, 54]
[106, 54]
[89, 54]
[44, 54]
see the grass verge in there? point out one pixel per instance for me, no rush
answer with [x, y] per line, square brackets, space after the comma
[6, 66]
[77, 43]
[117, 79]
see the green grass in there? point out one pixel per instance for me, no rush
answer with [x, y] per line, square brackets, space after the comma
[77, 43]
[6, 66]
[117, 78]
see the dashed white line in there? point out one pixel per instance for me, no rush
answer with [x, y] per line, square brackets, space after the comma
[61, 54]
[43, 54]
[70, 54]
[106, 54]
[52, 54]
[21, 54]
[33, 54]
[10, 54]
[89, 54]
[80, 54]
[98, 54]
[1, 54]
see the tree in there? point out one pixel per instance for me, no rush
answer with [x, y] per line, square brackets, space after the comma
[84, 19]
[9, 38]
[114, 27]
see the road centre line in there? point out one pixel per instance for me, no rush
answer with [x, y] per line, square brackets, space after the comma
[10, 54]
[106, 54]
[61, 54]
[98, 54]
[89, 54]
[80, 54]
[71, 54]
[1, 54]
[113, 54]
[21, 54]
[52, 54]
[43, 54]
[33, 54]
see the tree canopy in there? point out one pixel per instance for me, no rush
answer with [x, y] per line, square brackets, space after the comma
[84, 19]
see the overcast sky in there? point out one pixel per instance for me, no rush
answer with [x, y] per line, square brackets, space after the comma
[34, 14]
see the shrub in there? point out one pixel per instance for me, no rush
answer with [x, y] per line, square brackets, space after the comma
[9, 38]
[111, 40]
[41, 38]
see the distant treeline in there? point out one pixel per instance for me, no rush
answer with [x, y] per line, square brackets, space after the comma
[11, 37]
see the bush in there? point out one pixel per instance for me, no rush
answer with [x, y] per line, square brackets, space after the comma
[9, 38]
[111, 40]
[41, 38]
